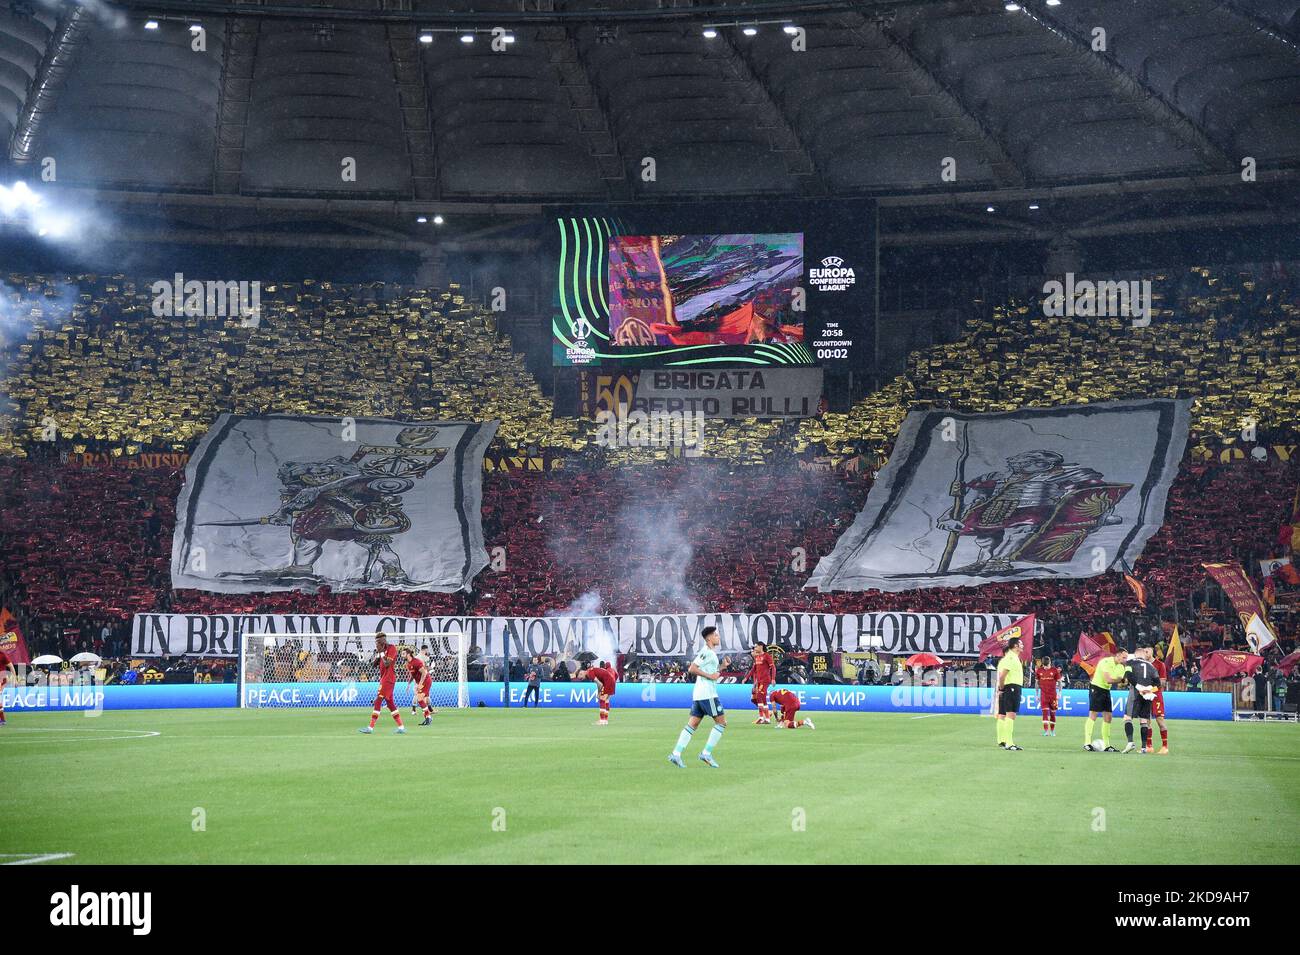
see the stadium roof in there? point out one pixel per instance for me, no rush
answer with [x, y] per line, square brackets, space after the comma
[1184, 90]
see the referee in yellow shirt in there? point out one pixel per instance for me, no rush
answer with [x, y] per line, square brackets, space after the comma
[1011, 683]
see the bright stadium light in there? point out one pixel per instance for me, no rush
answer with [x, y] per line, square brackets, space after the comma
[1053, 3]
[426, 37]
[989, 209]
[422, 219]
[151, 24]
[750, 31]
[790, 29]
[438, 220]
[467, 38]
[1011, 7]
[710, 33]
[1033, 207]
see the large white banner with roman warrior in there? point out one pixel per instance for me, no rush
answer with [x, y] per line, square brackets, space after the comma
[287, 502]
[968, 499]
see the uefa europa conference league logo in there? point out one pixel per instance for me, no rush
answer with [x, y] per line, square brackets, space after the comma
[833, 276]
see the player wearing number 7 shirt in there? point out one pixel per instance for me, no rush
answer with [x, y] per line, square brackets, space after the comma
[763, 673]
[421, 680]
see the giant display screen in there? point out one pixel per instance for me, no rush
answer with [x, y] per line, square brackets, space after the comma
[722, 284]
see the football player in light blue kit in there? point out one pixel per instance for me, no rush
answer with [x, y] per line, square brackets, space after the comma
[704, 700]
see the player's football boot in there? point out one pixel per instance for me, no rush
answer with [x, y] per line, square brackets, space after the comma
[809, 724]
[1130, 746]
[676, 760]
[367, 730]
[1013, 748]
[400, 731]
[426, 721]
[1087, 748]
[759, 721]
[708, 758]
[1110, 749]
[1164, 750]
[1052, 733]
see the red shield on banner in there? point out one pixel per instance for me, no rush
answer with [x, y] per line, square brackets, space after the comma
[1076, 515]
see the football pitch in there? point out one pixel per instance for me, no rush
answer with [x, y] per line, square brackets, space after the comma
[549, 786]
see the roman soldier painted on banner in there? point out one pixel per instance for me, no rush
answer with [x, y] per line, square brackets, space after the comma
[355, 500]
[1040, 510]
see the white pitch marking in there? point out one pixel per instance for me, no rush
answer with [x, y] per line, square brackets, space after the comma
[26, 858]
[10, 732]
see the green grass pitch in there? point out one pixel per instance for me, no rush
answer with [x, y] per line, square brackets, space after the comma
[546, 786]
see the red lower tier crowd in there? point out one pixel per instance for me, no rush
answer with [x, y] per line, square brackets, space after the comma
[86, 548]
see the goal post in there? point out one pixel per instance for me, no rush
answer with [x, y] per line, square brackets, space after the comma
[339, 670]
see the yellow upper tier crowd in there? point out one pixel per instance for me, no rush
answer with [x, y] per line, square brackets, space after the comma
[87, 356]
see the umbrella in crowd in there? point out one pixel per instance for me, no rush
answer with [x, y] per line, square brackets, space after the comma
[48, 660]
[85, 657]
[924, 660]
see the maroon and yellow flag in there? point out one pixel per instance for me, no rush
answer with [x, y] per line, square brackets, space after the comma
[12, 644]
[1091, 651]
[1222, 664]
[1245, 600]
[996, 644]
[1175, 656]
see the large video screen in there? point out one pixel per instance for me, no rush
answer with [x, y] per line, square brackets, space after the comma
[722, 284]
[671, 290]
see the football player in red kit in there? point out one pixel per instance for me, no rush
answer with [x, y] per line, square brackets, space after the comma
[422, 680]
[1158, 704]
[385, 658]
[1048, 678]
[789, 715]
[763, 673]
[606, 682]
[7, 673]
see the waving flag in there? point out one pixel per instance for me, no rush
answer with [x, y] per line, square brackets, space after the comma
[1222, 664]
[1288, 662]
[1258, 634]
[1139, 589]
[11, 638]
[1090, 652]
[996, 645]
[1175, 656]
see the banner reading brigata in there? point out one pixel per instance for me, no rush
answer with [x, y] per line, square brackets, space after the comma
[945, 634]
[1055, 493]
[714, 393]
[288, 502]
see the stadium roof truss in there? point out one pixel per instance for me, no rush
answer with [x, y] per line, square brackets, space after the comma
[1045, 100]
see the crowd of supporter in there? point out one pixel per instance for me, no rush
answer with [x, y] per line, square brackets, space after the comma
[88, 365]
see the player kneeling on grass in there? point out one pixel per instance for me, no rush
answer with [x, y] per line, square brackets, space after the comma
[421, 681]
[385, 657]
[704, 700]
[1011, 683]
[606, 684]
[788, 717]
[1108, 672]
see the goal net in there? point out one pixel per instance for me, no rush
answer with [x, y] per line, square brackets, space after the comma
[301, 670]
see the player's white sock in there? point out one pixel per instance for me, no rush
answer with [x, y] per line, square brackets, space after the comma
[715, 734]
[683, 740]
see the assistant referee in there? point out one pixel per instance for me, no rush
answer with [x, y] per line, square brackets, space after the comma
[1011, 683]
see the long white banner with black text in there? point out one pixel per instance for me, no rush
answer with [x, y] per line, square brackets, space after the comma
[945, 634]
